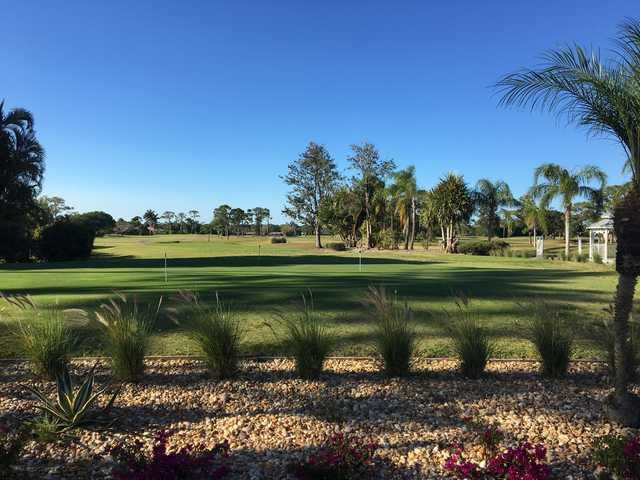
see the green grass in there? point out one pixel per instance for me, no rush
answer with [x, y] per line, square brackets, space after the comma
[257, 285]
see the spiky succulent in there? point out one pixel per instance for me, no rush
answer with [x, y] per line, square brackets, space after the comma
[72, 407]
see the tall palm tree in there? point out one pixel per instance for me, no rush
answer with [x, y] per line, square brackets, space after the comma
[489, 197]
[533, 215]
[508, 218]
[21, 170]
[566, 185]
[405, 191]
[604, 97]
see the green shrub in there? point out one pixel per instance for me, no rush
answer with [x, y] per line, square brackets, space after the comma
[278, 240]
[617, 456]
[215, 330]
[581, 257]
[127, 330]
[471, 342]
[602, 333]
[66, 240]
[483, 247]
[337, 246]
[71, 408]
[43, 335]
[597, 258]
[549, 331]
[307, 338]
[395, 338]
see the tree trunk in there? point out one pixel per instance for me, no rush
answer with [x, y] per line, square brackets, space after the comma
[567, 229]
[317, 232]
[413, 222]
[623, 406]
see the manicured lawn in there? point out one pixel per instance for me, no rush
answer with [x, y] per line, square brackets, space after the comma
[259, 285]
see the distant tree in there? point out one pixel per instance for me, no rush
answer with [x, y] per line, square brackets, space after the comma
[259, 215]
[404, 191]
[533, 215]
[194, 215]
[151, 220]
[137, 227]
[567, 185]
[365, 159]
[21, 171]
[312, 177]
[343, 213]
[453, 204]
[53, 208]
[100, 223]
[169, 217]
[222, 219]
[489, 197]
[238, 218]
[508, 219]
[181, 218]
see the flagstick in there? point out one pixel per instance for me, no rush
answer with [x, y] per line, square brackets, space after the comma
[165, 267]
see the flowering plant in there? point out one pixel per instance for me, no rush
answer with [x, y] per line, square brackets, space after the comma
[522, 462]
[618, 457]
[341, 458]
[189, 462]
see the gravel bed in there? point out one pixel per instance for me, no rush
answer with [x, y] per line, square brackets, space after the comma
[272, 419]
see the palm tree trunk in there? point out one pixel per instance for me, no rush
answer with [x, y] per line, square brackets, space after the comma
[413, 222]
[624, 407]
[567, 229]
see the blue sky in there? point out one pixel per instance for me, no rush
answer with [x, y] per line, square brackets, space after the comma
[187, 105]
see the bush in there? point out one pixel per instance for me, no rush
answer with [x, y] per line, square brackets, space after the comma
[617, 457]
[581, 257]
[337, 246]
[483, 247]
[189, 462]
[100, 223]
[215, 330]
[278, 240]
[307, 338]
[126, 329]
[66, 240]
[597, 258]
[341, 458]
[525, 461]
[602, 333]
[43, 335]
[395, 338]
[471, 341]
[550, 333]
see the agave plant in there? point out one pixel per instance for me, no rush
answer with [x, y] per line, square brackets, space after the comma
[72, 407]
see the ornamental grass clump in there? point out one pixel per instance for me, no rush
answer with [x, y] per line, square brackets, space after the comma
[126, 329]
[43, 334]
[471, 341]
[216, 331]
[549, 330]
[395, 337]
[305, 336]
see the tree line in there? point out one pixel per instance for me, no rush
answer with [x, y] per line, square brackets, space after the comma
[381, 206]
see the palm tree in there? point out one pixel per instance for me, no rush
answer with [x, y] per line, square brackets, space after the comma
[405, 192]
[168, 216]
[604, 97]
[21, 170]
[489, 197]
[533, 215]
[508, 220]
[567, 185]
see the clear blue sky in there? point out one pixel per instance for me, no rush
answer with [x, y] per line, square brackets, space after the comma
[187, 105]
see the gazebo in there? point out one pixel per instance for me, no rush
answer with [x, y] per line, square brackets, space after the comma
[601, 230]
